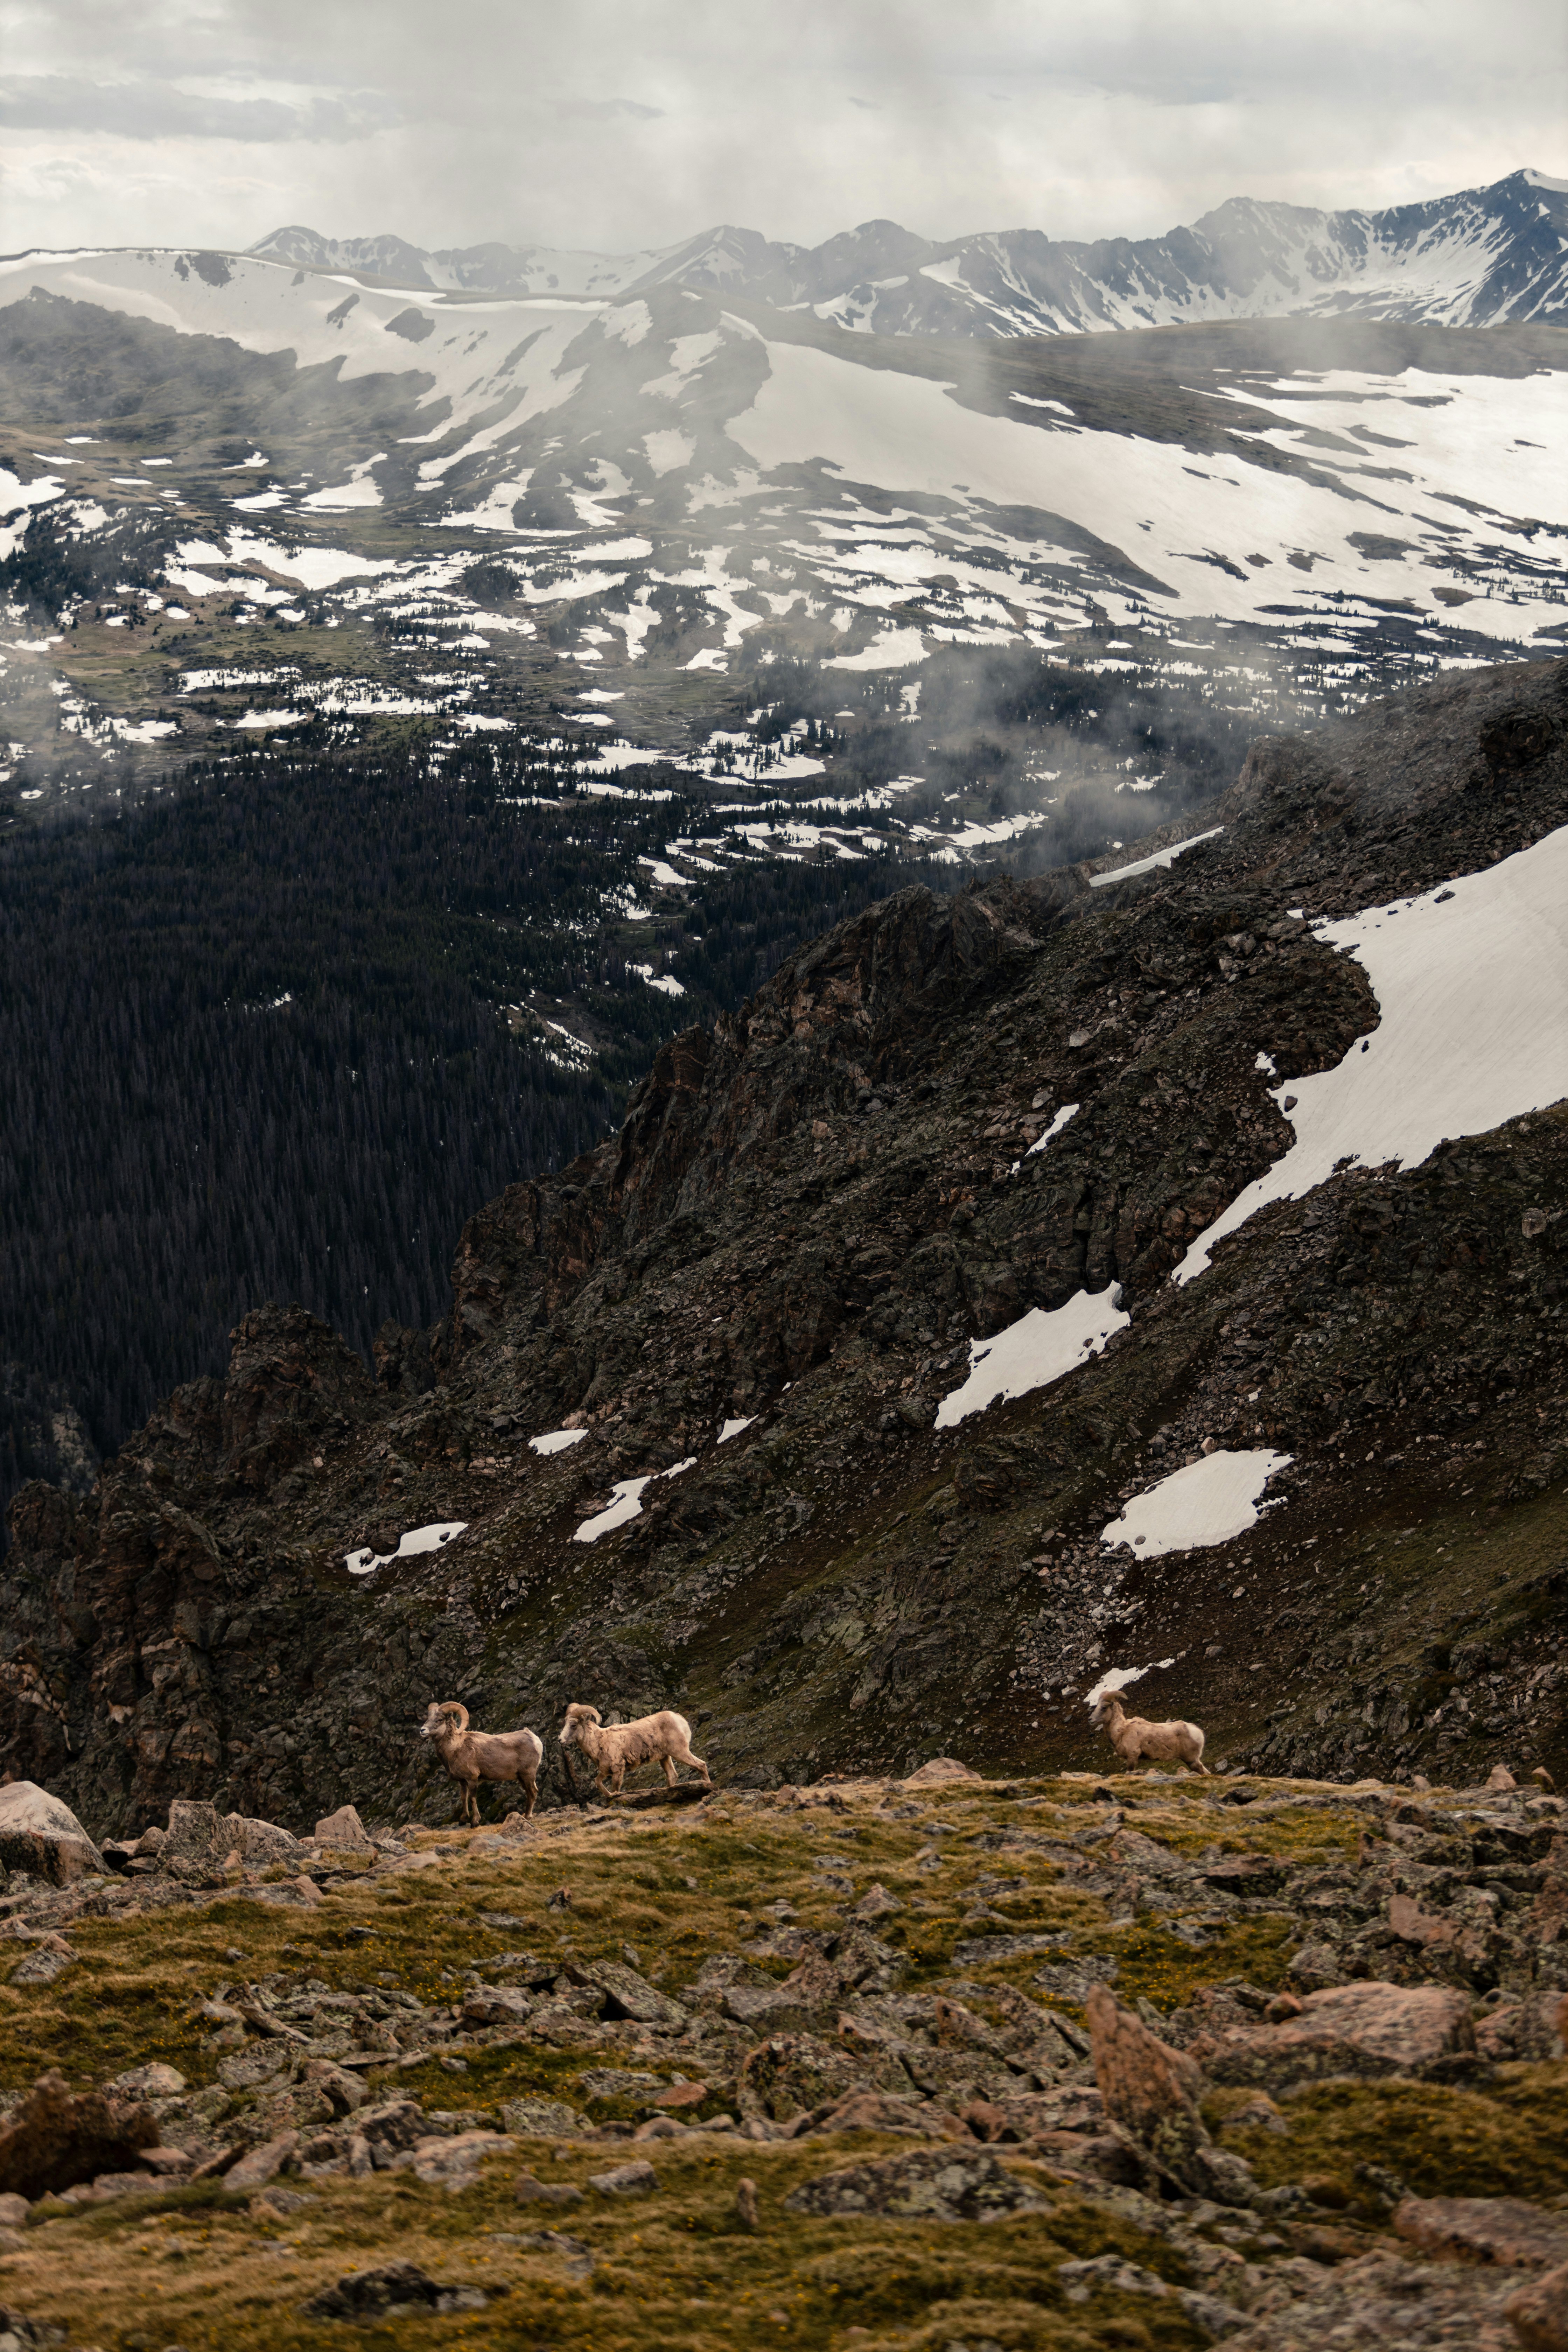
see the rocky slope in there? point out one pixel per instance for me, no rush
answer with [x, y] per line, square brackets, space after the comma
[1258, 2061]
[810, 1218]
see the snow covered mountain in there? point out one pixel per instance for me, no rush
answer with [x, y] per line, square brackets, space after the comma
[1475, 259]
[676, 483]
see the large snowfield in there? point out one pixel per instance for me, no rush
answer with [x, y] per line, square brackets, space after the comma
[1471, 982]
[1397, 486]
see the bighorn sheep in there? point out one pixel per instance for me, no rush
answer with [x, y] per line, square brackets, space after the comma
[1135, 1740]
[613, 1749]
[471, 1757]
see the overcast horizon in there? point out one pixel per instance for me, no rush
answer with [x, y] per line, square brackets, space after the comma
[635, 126]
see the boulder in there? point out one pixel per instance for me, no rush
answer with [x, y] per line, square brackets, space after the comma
[1362, 2031]
[790, 2074]
[876, 1904]
[680, 2094]
[629, 1995]
[344, 2091]
[495, 2005]
[636, 2180]
[542, 2119]
[1534, 2028]
[946, 2184]
[197, 1844]
[881, 2111]
[260, 2165]
[151, 2082]
[260, 1843]
[42, 1965]
[453, 2162]
[196, 1831]
[343, 1828]
[42, 1837]
[1538, 2314]
[940, 1769]
[394, 2287]
[57, 2137]
[1506, 2231]
[19, 2334]
[531, 2190]
[390, 2127]
[1148, 2088]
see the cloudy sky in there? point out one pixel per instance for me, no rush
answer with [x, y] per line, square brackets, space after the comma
[618, 124]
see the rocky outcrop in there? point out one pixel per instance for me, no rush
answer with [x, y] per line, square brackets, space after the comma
[1355, 2032]
[41, 1838]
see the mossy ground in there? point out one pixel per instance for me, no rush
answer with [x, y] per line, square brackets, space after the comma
[676, 2268]
[215, 2274]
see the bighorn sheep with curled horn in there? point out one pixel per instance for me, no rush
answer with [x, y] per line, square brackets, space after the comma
[471, 1757]
[613, 1749]
[1137, 1741]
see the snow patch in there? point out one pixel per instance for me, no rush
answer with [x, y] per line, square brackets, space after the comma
[1119, 1678]
[556, 1441]
[1067, 1111]
[1471, 982]
[1207, 1502]
[418, 1539]
[1147, 865]
[624, 1503]
[1040, 1347]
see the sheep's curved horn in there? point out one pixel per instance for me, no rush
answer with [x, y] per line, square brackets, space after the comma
[462, 1717]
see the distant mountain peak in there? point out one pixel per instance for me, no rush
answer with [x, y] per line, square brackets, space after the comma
[1476, 258]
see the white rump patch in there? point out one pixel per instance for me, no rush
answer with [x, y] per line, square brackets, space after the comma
[556, 1441]
[1038, 1349]
[430, 1538]
[1206, 1503]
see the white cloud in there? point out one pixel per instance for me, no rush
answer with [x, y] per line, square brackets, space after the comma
[161, 111]
[504, 121]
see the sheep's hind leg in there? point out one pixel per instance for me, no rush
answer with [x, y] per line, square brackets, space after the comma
[669, 1772]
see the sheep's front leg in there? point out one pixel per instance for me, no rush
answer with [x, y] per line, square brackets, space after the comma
[670, 1771]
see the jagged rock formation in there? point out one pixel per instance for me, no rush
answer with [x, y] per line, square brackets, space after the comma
[807, 1217]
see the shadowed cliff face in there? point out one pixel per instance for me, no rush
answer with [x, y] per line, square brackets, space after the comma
[805, 1219]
